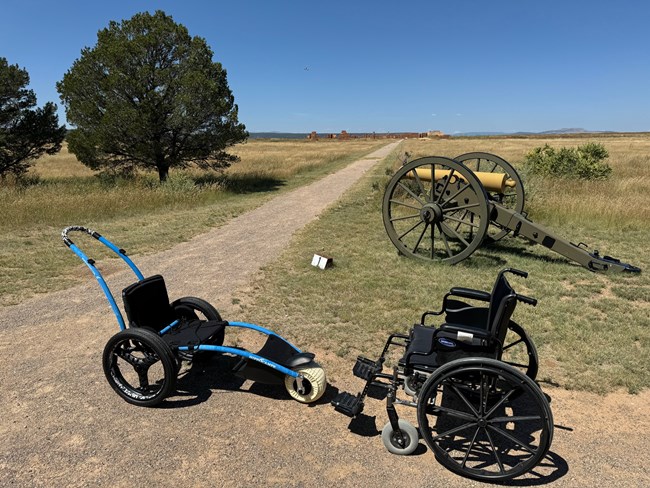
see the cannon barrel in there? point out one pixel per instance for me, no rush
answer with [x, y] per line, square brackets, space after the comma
[496, 182]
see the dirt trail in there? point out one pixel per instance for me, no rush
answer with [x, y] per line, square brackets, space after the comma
[62, 425]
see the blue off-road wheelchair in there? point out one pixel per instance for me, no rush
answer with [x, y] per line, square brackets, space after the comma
[471, 380]
[142, 361]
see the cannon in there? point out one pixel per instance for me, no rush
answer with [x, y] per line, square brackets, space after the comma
[441, 209]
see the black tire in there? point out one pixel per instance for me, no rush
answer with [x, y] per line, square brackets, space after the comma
[484, 419]
[140, 367]
[192, 308]
[410, 437]
[519, 351]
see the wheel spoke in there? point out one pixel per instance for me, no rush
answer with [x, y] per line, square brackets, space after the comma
[494, 450]
[520, 418]
[462, 207]
[513, 344]
[451, 198]
[410, 230]
[432, 241]
[426, 225]
[408, 190]
[516, 364]
[419, 182]
[469, 449]
[454, 431]
[453, 413]
[458, 236]
[397, 202]
[444, 239]
[405, 218]
[511, 438]
[464, 399]
[504, 398]
[444, 188]
[471, 224]
[143, 377]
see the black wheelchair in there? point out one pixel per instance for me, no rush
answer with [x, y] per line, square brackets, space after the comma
[471, 380]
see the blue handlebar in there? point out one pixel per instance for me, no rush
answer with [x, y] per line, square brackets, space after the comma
[91, 264]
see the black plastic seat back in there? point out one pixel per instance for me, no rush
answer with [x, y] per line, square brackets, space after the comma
[502, 305]
[146, 304]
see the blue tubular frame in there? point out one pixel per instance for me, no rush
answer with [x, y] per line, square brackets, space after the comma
[258, 328]
[120, 319]
[91, 265]
[242, 353]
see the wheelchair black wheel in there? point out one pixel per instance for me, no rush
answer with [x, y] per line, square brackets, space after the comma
[192, 308]
[519, 351]
[140, 367]
[484, 419]
[410, 438]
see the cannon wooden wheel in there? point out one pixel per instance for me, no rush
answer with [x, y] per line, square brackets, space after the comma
[435, 208]
[508, 193]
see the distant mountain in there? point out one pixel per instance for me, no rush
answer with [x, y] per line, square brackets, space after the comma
[565, 131]
[522, 133]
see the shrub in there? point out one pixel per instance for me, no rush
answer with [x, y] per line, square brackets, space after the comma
[586, 162]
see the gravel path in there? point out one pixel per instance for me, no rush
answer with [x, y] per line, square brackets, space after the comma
[62, 425]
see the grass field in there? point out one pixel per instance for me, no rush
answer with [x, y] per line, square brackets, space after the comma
[592, 331]
[139, 214]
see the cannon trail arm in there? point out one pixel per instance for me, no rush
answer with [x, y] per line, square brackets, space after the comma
[520, 225]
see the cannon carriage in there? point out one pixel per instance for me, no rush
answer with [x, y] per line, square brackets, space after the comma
[441, 209]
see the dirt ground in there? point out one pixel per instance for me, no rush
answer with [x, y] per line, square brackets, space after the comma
[62, 425]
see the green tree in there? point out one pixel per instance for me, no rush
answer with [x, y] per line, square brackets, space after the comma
[149, 95]
[26, 132]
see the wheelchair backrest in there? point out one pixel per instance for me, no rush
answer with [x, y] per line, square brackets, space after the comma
[146, 304]
[502, 305]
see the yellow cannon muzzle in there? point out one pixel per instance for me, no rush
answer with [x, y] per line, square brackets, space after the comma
[495, 182]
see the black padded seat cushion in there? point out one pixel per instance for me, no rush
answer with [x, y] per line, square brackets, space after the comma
[146, 304]
[193, 332]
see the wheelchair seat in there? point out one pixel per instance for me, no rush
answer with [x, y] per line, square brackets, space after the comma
[146, 304]
[467, 331]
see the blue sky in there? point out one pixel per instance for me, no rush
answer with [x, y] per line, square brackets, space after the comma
[455, 66]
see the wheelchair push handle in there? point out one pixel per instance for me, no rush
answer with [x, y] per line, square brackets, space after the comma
[77, 228]
[527, 300]
[517, 272]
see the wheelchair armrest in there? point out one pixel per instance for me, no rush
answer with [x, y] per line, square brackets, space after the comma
[476, 331]
[465, 334]
[483, 296]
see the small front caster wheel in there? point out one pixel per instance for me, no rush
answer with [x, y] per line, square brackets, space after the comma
[403, 446]
[313, 383]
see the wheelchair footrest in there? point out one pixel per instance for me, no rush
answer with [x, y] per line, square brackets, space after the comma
[348, 404]
[366, 369]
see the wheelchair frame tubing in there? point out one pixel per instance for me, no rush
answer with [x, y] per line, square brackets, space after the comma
[91, 265]
[242, 353]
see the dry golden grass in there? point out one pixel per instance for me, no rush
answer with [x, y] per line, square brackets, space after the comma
[139, 213]
[620, 202]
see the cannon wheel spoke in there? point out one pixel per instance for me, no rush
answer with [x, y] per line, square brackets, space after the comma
[512, 198]
[452, 212]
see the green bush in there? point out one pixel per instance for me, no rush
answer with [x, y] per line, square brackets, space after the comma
[585, 162]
